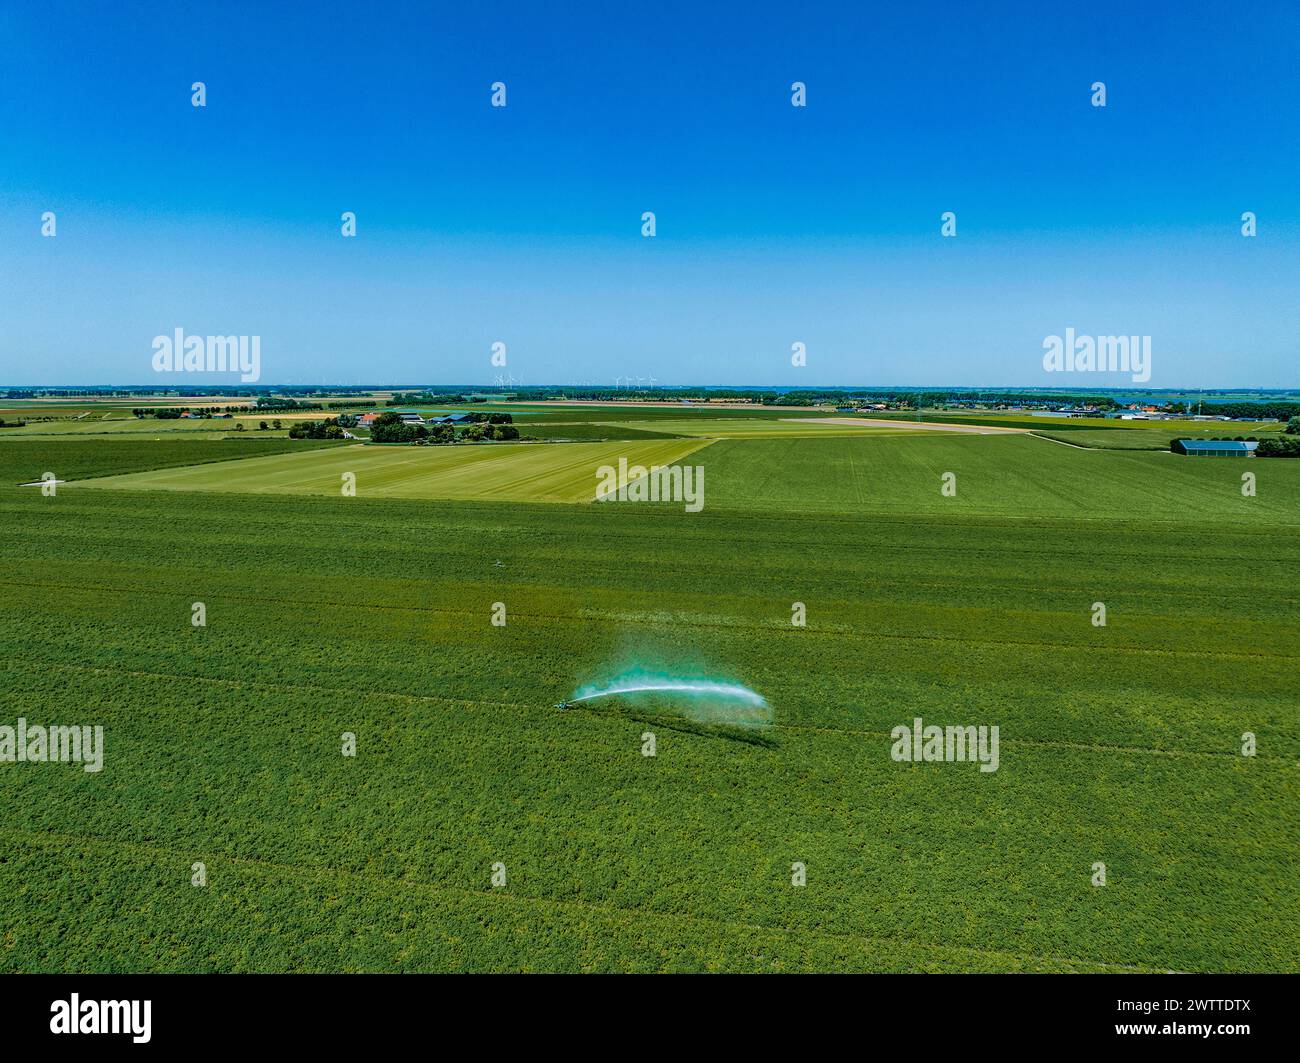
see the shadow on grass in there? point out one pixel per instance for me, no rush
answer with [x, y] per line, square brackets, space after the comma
[749, 734]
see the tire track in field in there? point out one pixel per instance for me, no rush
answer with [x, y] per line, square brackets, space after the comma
[296, 871]
[546, 709]
[773, 627]
[1063, 443]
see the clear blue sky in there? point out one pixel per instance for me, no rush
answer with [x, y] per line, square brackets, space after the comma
[775, 224]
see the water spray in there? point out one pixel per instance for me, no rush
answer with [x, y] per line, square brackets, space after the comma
[728, 702]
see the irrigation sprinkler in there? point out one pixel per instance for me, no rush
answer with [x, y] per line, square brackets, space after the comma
[701, 690]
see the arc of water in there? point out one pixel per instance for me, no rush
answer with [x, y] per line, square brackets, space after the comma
[733, 691]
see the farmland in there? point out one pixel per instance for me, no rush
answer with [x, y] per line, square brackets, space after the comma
[525, 472]
[1106, 434]
[23, 460]
[371, 615]
[1010, 476]
[866, 470]
[755, 428]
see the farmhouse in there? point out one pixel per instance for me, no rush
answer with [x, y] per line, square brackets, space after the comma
[1214, 448]
[367, 419]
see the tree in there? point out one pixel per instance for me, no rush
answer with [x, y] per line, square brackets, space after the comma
[388, 428]
[261, 426]
[1280, 447]
[326, 429]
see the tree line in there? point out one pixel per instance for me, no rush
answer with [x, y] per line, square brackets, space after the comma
[389, 428]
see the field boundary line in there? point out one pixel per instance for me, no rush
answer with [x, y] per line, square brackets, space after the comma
[846, 518]
[545, 708]
[774, 627]
[1063, 443]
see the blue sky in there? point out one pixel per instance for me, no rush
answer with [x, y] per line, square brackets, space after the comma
[776, 224]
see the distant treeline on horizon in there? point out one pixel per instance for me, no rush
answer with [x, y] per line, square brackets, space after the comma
[1280, 403]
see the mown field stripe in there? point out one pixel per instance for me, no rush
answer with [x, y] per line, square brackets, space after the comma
[505, 896]
[546, 708]
[780, 628]
[523, 472]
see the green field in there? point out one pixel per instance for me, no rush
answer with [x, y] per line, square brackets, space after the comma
[580, 431]
[756, 428]
[1014, 475]
[73, 458]
[213, 428]
[1157, 434]
[372, 615]
[503, 471]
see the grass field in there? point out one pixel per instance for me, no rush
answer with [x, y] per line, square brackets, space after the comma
[1101, 433]
[372, 615]
[236, 427]
[1156, 436]
[1004, 475]
[755, 428]
[72, 458]
[521, 471]
[580, 431]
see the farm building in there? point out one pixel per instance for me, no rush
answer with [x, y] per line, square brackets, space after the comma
[1214, 448]
[411, 418]
[451, 418]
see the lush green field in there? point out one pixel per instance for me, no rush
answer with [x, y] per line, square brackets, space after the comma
[26, 460]
[1019, 475]
[535, 472]
[1157, 434]
[1103, 433]
[604, 413]
[372, 615]
[215, 428]
[580, 431]
[756, 428]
